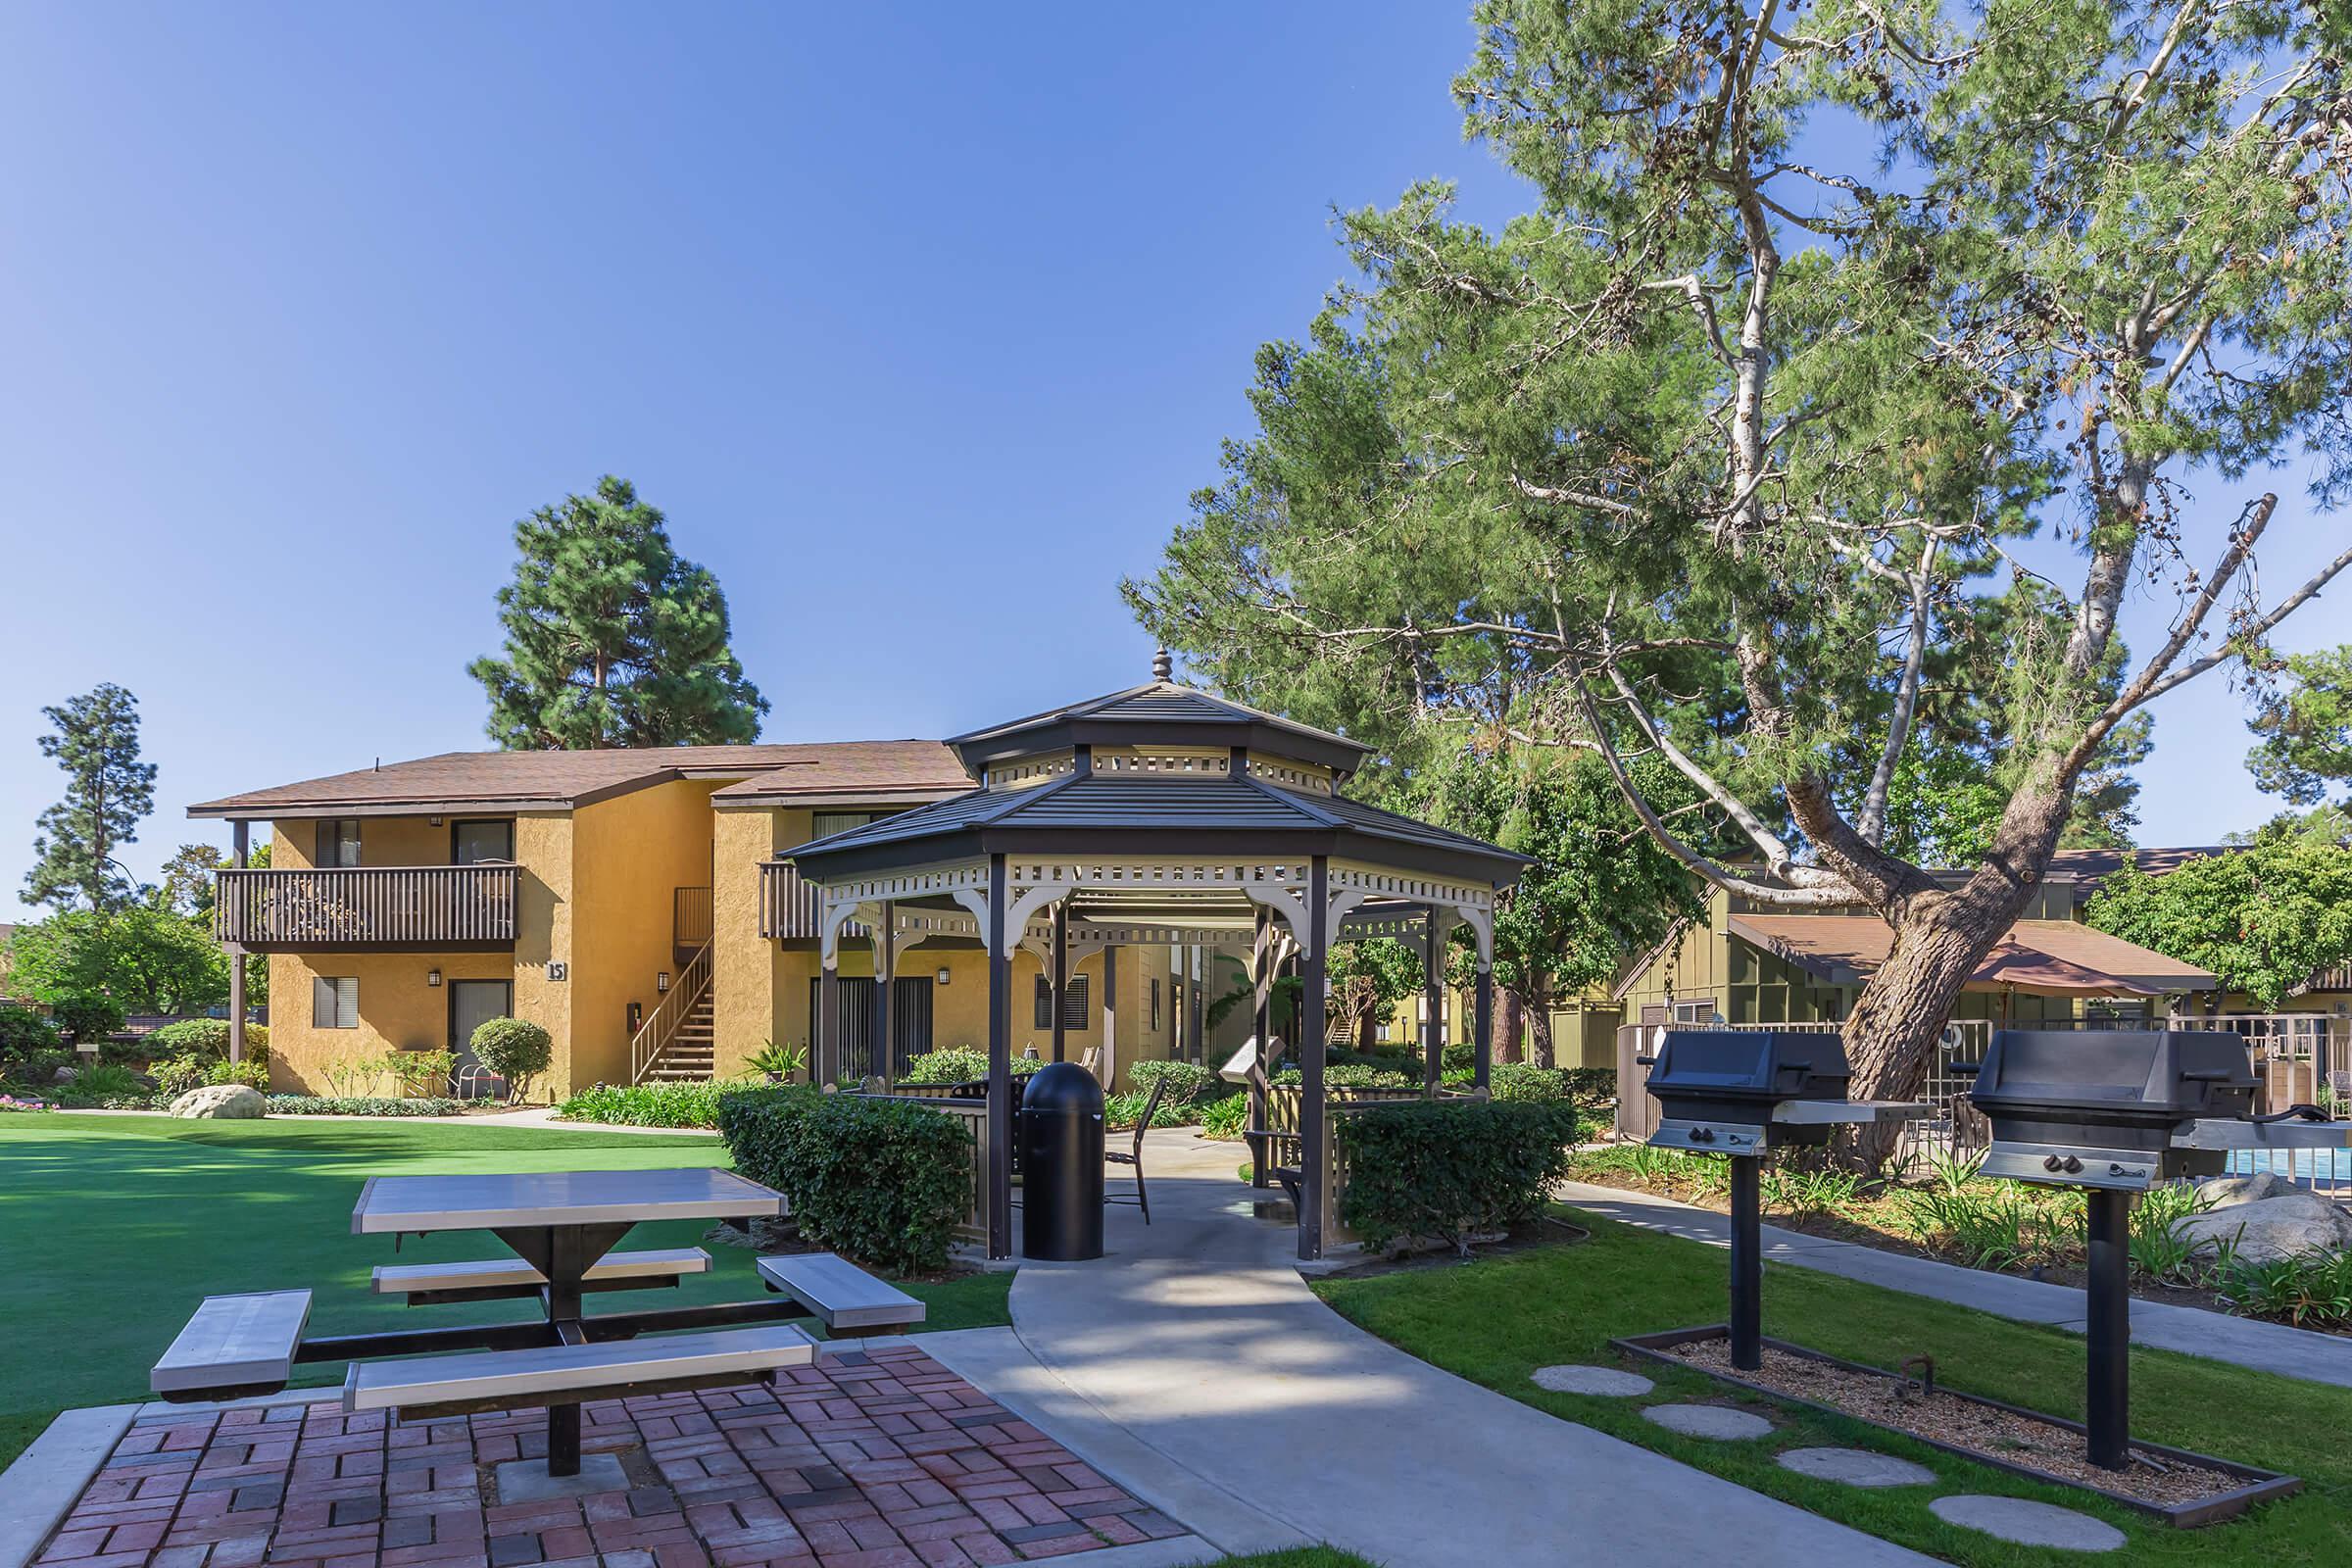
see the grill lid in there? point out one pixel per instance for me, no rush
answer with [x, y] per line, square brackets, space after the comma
[1757, 1066]
[2106, 1074]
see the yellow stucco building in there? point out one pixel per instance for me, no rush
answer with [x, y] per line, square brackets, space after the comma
[628, 901]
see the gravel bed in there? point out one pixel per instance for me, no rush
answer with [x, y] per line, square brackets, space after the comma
[1996, 1434]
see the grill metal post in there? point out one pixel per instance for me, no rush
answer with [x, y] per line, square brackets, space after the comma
[1748, 1264]
[2107, 1286]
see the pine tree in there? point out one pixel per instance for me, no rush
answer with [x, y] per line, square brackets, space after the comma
[108, 789]
[611, 639]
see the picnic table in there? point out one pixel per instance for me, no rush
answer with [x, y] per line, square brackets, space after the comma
[562, 1228]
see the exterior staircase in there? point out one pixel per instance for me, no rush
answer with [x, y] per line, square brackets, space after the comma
[690, 1055]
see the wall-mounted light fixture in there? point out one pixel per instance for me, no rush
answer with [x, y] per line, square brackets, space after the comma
[432, 977]
[943, 974]
[661, 981]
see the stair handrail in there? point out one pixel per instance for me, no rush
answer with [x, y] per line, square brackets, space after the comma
[654, 1036]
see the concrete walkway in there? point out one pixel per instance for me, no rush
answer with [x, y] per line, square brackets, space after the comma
[2191, 1330]
[1194, 1366]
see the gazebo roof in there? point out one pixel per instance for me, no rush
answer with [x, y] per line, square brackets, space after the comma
[1177, 814]
[1159, 713]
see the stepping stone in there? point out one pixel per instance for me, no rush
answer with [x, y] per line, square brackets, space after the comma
[1856, 1467]
[1707, 1421]
[1605, 1381]
[2028, 1524]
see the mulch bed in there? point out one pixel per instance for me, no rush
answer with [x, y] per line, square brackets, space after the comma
[2007, 1436]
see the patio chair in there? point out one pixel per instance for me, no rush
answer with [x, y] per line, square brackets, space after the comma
[1091, 1062]
[1135, 1156]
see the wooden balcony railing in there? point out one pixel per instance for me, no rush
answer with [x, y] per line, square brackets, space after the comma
[788, 906]
[361, 908]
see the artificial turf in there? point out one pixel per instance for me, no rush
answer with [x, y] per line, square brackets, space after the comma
[114, 1228]
[1497, 1320]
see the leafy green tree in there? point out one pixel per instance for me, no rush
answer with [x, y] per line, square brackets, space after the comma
[1598, 893]
[1709, 459]
[1367, 981]
[142, 957]
[108, 790]
[611, 639]
[2265, 918]
[2322, 824]
[2305, 721]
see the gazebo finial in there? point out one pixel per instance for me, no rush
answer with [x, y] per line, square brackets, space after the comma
[1162, 666]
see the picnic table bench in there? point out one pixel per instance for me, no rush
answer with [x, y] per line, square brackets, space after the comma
[561, 1226]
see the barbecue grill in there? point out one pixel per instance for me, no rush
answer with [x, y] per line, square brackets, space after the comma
[1740, 1092]
[2113, 1111]
[2105, 1108]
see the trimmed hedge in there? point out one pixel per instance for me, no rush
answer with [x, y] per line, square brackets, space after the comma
[516, 1049]
[1451, 1169]
[1517, 1080]
[884, 1182]
[364, 1105]
[950, 1064]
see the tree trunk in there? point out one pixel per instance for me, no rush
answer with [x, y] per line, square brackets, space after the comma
[1509, 1021]
[1539, 1027]
[1940, 939]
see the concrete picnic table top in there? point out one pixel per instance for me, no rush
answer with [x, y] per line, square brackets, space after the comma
[491, 1201]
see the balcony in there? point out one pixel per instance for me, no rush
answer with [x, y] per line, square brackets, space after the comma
[392, 909]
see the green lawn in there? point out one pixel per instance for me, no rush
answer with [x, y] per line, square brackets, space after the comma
[1495, 1321]
[112, 1228]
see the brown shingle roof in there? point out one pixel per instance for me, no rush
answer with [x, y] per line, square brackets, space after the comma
[2090, 867]
[1844, 949]
[555, 780]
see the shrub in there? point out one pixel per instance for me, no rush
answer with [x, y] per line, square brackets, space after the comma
[365, 1106]
[882, 1181]
[1451, 1169]
[1591, 1086]
[178, 1075]
[1226, 1118]
[101, 1084]
[514, 1049]
[89, 1020]
[252, 1073]
[37, 1069]
[1120, 1112]
[23, 1030]
[1517, 1080]
[950, 1064]
[1186, 1081]
[655, 1104]
[1353, 1075]
[2313, 1291]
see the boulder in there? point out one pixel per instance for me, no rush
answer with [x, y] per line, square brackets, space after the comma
[2223, 1192]
[2266, 1229]
[228, 1101]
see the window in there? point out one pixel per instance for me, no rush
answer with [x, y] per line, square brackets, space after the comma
[338, 843]
[335, 1002]
[1155, 1001]
[470, 843]
[821, 824]
[1074, 1000]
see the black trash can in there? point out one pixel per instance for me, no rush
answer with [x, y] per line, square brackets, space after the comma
[1061, 1165]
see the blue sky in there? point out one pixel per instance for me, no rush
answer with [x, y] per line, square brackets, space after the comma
[920, 325]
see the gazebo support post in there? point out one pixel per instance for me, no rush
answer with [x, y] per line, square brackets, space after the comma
[828, 1022]
[1433, 1002]
[886, 980]
[1261, 1023]
[1060, 978]
[240, 845]
[1484, 1040]
[1313, 1129]
[1110, 1018]
[999, 1065]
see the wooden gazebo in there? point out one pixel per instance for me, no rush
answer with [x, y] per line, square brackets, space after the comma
[1159, 815]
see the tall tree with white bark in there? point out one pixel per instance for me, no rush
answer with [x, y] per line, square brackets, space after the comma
[1715, 456]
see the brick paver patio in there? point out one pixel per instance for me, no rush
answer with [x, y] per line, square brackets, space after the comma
[865, 1460]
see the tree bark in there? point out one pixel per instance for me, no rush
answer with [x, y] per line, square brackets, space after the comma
[1940, 939]
[1538, 1034]
[1510, 1018]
